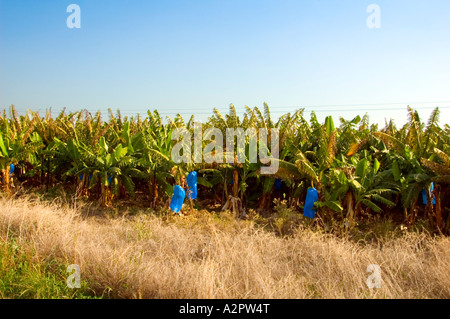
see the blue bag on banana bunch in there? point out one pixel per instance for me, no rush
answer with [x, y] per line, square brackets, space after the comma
[311, 197]
[192, 185]
[177, 198]
[424, 195]
[278, 184]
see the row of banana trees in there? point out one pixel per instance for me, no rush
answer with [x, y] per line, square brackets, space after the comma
[358, 169]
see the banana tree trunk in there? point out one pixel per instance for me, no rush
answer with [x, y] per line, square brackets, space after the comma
[438, 209]
[47, 181]
[103, 195]
[350, 211]
[153, 185]
[234, 202]
[80, 191]
[405, 213]
[358, 210]
[447, 225]
[6, 180]
[235, 183]
[262, 203]
[429, 209]
[225, 187]
[106, 196]
[266, 201]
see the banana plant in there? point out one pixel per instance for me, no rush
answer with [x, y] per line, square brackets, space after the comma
[111, 169]
[360, 183]
[155, 160]
[369, 186]
[439, 165]
[407, 171]
[72, 160]
[17, 152]
[6, 160]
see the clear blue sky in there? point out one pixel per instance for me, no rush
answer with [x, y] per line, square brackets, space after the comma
[191, 56]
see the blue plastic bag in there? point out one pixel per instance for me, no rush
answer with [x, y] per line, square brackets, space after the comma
[177, 199]
[424, 195]
[110, 179]
[81, 177]
[278, 183]
[311, 197]
[11, 168]
[192, 185]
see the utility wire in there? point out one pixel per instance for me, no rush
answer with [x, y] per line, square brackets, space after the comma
[292, 110]
[273, 110]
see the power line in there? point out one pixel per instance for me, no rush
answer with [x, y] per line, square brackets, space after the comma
[277, 111]
[273, 110]
[329, 105]
[366, 104]
[323, 105]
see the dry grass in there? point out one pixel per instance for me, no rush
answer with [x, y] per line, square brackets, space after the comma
[202, 257]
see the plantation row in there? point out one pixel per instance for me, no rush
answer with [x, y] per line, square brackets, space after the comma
[358, 169]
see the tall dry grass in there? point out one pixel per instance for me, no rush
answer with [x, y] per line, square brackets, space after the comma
[201, 257]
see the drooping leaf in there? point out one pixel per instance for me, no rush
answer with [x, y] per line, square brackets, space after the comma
[383, 200]
[396, 171]
[268, 184]
[410, 195]
[202, 181]
[128, 184]
[334, 205]
[371, 205]
[4, 152]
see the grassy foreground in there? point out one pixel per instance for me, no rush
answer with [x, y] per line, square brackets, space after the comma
[204, 256]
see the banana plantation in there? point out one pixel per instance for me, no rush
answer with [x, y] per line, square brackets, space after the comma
[358, 169]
